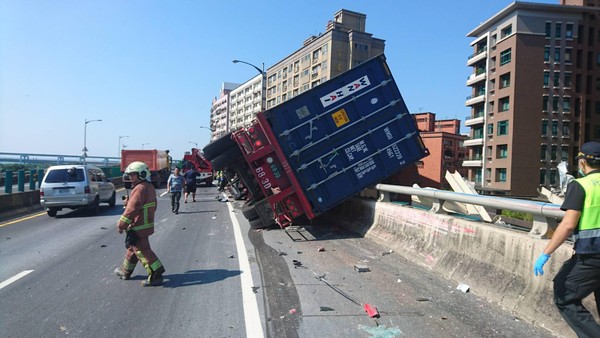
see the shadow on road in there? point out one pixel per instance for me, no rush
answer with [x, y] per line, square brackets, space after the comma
[105, 210]
[197, 277]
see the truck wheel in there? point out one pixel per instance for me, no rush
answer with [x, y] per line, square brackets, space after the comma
[226, 158]
[52, 212]
[256, 224]
[95, 207]
[218, 146]
[249, 210]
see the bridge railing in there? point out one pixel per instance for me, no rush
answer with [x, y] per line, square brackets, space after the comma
[545, 215]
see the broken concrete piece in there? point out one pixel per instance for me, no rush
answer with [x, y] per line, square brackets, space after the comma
[361, 268]
[463, 287]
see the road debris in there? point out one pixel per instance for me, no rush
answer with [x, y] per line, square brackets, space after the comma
[387, 252]
[231, 256]
[281, 253]
[255, 288]
[326, 308]
[371, 310]
[292, 311]
[321, 249]
[297, 264]
[463, 287]
[103, 246]
[361, 268]
[424, 299]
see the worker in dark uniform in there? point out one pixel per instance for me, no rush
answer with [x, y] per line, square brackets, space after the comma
[138, 221]
[580, 275]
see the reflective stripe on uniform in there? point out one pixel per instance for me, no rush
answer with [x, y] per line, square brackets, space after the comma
[142, 227]
[125, 219]
[587, 234]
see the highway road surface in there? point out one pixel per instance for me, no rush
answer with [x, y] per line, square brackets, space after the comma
[224, 279]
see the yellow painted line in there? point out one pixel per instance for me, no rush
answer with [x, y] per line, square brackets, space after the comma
[22, 219]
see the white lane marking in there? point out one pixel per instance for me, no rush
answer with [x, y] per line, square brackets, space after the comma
[15, 278]
[251, 314]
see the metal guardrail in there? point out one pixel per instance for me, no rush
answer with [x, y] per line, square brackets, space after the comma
[24, 158]
[545, 215]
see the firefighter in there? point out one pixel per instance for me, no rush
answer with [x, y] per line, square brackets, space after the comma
[138, 222]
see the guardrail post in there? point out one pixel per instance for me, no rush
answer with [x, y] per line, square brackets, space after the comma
[384, 196]
[8, 182]
[21, 181]
[32, 180]
[438, 207]
[40, 177]
[543, 227]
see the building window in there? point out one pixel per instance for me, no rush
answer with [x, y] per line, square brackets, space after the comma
[553, 177]
[556, 54]
[502, 128]
[564, 153]
[504, 103]
[556, 79]
[566, 128]
[558, 30]
[553, 153]
[502, 151]
[548, 29]
[568, 80]
[546, 54]
[544, 127]
[545, 103]
[505, 80]
[490, 129]
[568, 52]
[554, 128]
[501, 175]
[478, 133]
[542, 176]
[506, 32]
[543, 151]
[569, 31]
[505, 57]
[566, 104]
[546, 79]
[555, 103]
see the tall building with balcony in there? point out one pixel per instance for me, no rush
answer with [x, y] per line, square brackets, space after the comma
[245, 103]
[535, 94]
[446, 150]
[219, 111]
[344, 44]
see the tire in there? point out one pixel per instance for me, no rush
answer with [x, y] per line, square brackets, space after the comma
[218, 146]
[52, 212]
[95, 207]
[249, 211]
[256, 224]
[225, 159]
[113, 200]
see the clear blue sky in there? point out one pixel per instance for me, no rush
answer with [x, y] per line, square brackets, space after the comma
[150, 69]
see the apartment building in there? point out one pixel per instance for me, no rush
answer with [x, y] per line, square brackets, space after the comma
[446, 150]
[535, 94]
[219, 111]
[245, 103]
[344, 43]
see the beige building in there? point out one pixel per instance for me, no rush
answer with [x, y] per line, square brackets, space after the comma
[344, 44]
[219, 111]
[535, 94]
[244, 103]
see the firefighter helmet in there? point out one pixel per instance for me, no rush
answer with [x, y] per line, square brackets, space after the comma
[139, 167]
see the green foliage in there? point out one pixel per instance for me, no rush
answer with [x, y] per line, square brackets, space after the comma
[518, 215]
[18, 166]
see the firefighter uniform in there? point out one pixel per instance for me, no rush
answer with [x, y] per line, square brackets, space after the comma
[138, 221]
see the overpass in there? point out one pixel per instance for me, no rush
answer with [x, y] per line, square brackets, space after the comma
[55, 159]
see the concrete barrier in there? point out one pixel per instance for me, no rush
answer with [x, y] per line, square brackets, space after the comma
[497, 263]
[19, 203]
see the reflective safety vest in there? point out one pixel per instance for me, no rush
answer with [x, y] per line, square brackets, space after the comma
[587, 234]
[139, 212]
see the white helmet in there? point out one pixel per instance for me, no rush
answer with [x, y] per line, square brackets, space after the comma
[139, 167]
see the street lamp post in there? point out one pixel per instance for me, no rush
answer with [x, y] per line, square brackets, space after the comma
[119, 149]
[143, 144]
[85, 138]
[263, 84]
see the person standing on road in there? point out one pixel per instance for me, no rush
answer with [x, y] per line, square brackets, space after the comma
[580, 275]
[138, 221]
[190, 184]
[175, 186]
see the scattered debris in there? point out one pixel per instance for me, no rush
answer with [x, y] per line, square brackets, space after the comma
[63, 328]
[224, 199]
[361, 268]
[102, 228]
[399, 280]
[326, 308]
[424, 299]
[444, 318]
[321, 249]
[282, 253]
[387, 252]
[371, 310]
[299, 252]
[182, 228]
[463, 287]
[255, 288]
[296, 263]
[231, 256]
[214, 217]
[103, 246]
[381, 331]
[292, 311]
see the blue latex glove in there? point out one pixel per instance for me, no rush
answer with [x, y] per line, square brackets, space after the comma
[539, 264]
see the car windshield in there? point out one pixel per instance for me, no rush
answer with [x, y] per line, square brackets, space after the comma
[65, 175]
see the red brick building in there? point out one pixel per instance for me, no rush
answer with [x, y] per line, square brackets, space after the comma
[446, 149]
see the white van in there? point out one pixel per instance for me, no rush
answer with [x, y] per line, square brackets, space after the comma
[75, 186]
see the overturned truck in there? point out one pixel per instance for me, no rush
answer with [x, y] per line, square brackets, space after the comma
[310, 153]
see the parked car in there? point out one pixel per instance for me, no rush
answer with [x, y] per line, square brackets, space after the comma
[74, 187]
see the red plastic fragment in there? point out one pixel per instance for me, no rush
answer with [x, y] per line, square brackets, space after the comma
[371, 311]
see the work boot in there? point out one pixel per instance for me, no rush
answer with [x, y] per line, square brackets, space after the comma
[155, 279]
[125, 275]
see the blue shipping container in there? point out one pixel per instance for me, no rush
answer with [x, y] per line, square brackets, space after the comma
[347, 134]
